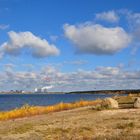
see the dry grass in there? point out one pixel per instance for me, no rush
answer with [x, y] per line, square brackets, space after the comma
[77, 124]
[27, 110]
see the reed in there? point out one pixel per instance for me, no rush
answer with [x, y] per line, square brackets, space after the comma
[27, 111]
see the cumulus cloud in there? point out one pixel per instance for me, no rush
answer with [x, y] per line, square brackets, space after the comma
[110, 16]
[97, 39]
[26, 40]
[131, 18]
[133, 22]
[98, 78]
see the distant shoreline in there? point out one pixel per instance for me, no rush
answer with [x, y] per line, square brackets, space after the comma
[134, 91]
[10, 93]
[127, 91]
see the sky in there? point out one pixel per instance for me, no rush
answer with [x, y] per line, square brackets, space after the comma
[69, 45]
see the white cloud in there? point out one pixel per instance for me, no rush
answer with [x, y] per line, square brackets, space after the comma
[133, 22]
[99, 78]
[97, 39]
[110, 16]
[109, 71]
[26, 40]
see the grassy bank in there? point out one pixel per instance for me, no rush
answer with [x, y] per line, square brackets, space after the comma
[83, 123]
[75, 124]
[27, 111]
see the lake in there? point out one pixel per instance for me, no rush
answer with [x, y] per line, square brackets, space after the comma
[12, 101]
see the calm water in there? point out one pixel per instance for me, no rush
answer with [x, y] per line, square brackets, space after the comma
[8, 102]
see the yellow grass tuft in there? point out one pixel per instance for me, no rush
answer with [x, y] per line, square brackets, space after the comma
[27, 111]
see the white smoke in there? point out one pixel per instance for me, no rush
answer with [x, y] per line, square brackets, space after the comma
[47, 87]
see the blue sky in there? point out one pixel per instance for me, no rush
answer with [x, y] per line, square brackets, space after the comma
[69, 44]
